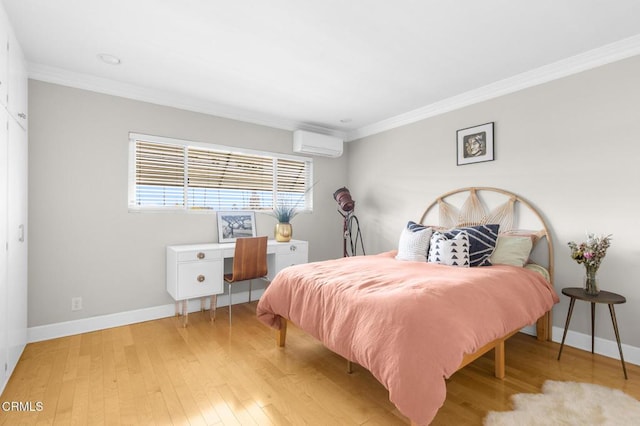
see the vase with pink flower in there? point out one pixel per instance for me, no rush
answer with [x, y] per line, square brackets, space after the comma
[590, 253]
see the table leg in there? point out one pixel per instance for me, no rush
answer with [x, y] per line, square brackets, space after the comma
[593, 323]
[615, 329]
[566, 325]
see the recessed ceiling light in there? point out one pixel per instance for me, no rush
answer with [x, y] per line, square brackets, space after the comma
[109, 59]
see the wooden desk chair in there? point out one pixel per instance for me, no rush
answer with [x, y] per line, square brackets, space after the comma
[249, 262]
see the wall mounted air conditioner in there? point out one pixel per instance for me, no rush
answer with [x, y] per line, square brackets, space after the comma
[306, 142]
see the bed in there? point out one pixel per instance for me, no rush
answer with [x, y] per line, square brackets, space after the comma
[415, 315]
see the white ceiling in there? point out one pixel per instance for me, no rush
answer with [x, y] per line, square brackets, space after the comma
[345, 67]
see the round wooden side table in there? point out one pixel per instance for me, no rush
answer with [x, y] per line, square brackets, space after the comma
[603, 297]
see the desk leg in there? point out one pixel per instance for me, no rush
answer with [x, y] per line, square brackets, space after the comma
[212, 307]
[185, 313]
[615, 329]
[566, 325]
[593, 323]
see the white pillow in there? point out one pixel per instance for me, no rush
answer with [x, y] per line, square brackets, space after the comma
[511, 250]
[414, 243]
[453, 251]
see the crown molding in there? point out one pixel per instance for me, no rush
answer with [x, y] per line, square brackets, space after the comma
[130, 91]
[591, 59]
[613, 52]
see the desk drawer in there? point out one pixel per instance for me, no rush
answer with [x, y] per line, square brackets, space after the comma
[199, 255]
[197, 279]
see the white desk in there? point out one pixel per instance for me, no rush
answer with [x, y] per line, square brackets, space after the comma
[197, 270]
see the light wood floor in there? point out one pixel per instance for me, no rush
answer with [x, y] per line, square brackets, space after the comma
[208, 374]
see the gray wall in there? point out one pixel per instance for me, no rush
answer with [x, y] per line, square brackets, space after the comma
[571, 147]
[568, 146]
[84, 242]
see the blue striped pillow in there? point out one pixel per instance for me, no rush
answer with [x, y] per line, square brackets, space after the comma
[482, 241]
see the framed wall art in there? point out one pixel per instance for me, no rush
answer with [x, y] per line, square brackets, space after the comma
[236, 224]
[475, 144]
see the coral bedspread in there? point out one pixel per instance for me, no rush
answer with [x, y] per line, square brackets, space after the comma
[409, 323]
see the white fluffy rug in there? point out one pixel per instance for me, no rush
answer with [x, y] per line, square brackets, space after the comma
[569, 403]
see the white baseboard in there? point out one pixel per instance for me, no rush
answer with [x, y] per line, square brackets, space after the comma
[530, 330]
[582, 341]
[608, 348]
[86, 325]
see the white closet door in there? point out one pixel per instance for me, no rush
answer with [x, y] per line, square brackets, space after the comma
[4, 375]
[17, 83]
[17, 237]
[4, 58]
[13, 200]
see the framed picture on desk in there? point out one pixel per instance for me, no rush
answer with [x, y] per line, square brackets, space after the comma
[236, 224]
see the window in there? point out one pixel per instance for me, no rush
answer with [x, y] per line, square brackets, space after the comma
[171, 174]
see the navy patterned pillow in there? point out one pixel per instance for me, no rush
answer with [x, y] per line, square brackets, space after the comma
[482, 241]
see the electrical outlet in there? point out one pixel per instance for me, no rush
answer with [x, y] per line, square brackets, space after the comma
[76, 303]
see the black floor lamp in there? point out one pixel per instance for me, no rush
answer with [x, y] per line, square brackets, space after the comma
[351, 229]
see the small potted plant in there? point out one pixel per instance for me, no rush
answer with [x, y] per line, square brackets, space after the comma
[284, 213]
[286, 209]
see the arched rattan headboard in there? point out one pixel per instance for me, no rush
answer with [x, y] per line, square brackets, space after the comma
[506, 208]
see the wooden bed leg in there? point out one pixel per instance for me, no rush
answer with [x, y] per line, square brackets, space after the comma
[499, 360]
[281, 335]
[349, 367]
[543, 327]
